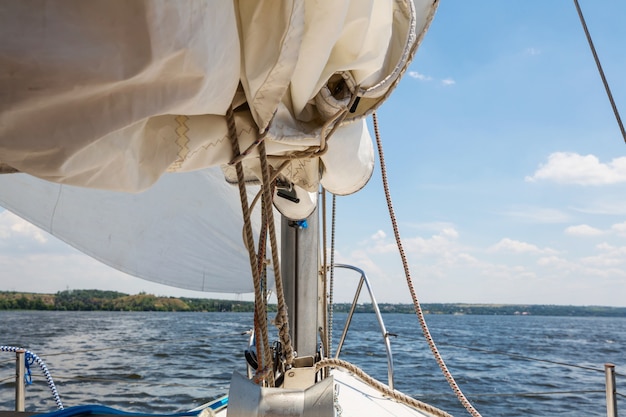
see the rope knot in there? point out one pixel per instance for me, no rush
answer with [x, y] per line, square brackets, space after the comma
[29, 359]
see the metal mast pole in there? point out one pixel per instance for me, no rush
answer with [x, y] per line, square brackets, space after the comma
[301, 278]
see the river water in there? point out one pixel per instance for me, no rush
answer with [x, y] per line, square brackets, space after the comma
[168, 362]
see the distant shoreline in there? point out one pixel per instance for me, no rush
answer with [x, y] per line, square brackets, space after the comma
[97, 300]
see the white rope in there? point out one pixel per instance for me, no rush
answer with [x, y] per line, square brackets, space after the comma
[44, 369]
[386, 390]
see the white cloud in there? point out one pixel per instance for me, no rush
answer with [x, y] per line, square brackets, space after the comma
[515, 246]
[382, 246]
[609, 256]
[552, 261]
[422, 77]
[539, 215]
[619, 229]
[18, 230]
[419, 76]
[450, 232]
[509, 271]
[440, 243]
[616, 208]
[468, 259]
[361, 259]
[572, 168]
[612, 250]
[583, 230]
[533, 51]
[602, 261]
[379, 235]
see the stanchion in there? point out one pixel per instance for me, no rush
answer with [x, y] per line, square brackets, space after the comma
[20, 363]
[611, 398]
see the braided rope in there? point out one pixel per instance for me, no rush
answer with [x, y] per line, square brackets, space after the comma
[332, 276]
[418, 308]
[263, 272]
[44, 369]
[282, 320]
[326, 340]
[268, 178]
[264, 358]
[396, 395]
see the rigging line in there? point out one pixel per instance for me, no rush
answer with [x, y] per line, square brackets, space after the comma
[264, 358]
[600, 70]
[261, 266]
[426, 395]
[332, 276]
[326, 340]
[619, 394]
[515, 355]
[282, 318]
[537, 393]
[418, 308]
[385, 389]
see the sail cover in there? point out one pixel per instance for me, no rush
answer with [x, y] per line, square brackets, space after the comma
[110, 109]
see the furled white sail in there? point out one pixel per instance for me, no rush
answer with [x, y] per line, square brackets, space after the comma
[108, 98]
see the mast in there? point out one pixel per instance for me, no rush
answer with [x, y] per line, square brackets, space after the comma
[301, 277]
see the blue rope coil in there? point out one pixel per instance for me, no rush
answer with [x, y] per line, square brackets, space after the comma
[31, 358]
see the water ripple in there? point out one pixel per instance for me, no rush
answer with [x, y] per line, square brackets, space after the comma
[167, 362]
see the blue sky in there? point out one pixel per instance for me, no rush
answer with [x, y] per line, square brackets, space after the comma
[506, 165]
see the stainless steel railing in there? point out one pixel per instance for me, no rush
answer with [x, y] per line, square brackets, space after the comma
[379, 317]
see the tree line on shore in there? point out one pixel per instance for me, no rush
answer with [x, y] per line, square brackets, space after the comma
[98, 300]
